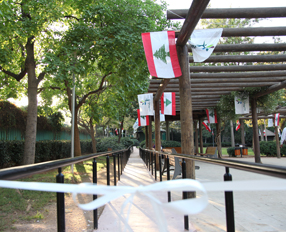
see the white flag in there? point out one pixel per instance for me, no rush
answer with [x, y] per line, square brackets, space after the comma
[270, 122]
[203, 42]
[135, 125]
[241, 103]
[212, 115]
[145, 104]
[276, 119]
[168, 103]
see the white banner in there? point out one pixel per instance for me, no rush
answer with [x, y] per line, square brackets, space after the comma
[241, 103]
[203, 42]
[270, 122]
[135, 125]
[145, 104]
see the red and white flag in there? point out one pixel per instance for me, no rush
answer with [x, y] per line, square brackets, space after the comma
[206, 126]
[212, 116]
[237, 125]
[142, 120]
[276, 119]
[168, 103]
[161, 54]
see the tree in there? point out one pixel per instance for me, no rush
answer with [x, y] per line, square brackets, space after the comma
[86, 51]
[27, 32]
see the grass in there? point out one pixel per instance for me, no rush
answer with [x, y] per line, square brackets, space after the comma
[29, 205]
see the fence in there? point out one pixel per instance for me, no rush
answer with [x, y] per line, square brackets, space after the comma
[120, 159]
[149, 157]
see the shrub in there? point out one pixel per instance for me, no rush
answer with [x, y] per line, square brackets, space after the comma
[170, 144]
[135, 142]
[268, 148]
[230, 151]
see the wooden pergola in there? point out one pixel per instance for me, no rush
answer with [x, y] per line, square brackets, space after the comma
[201, 87]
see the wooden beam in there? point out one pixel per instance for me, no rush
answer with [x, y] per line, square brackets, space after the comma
[252, 31]
[255, 131]
[192, 18]
[238, 80]
[161, 89]
[254, 84]
[237, 68]
[219, 13]
[247, 47]
[272, 89]
[236, 75]
[240, 58]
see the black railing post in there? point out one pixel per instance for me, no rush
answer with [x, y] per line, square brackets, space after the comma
[155, 166]
[229, 209]
[60, 204]
[168, 176]
[185, 194]
[114, 169]
[160, 167]
[94, 180]
[107, 170]
[118, 164]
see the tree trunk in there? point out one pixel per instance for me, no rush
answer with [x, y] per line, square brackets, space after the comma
[232, 134]
[255, 131]
[31, 126]
[77, 149]
[261, 133]
[242, 131]
[218, 138]
[92, 135]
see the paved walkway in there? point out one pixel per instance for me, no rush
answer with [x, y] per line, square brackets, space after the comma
[142, 217]
[254, 211]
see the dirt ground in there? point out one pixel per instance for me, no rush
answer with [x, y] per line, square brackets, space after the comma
[76, 219]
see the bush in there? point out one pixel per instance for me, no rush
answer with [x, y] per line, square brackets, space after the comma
[231, 152]
[268, 148]
[170, 144]
[135, 142]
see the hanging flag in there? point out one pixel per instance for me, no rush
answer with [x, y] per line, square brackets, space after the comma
[162, 116]
[135, 125]
[212, 116]
[168, 103]
[270, 122]
[241, 103]
[142, 120]
[206, 125]
[237, 125]
[276, 119]
[145, 104]
[161, 54]
[203, 42]
[264, 133]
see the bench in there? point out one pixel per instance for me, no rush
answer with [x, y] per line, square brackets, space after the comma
[211, 152]
[176, 162]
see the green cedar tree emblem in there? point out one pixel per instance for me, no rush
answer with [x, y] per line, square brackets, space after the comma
[167, 102]
[143, 117]
[161, 54]
[211, 114]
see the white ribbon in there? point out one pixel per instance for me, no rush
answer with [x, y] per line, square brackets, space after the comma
[184, 207]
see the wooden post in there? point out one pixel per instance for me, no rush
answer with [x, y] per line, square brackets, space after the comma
[186, 115]
[157, 132]
[218, 138]
[196, 137]
[242, 131]
[265, 130]
[146, 137]
[261, 133]
[167, 131]
[232, 134]
[255, 131]
[150, 135]
[201, 135]
[277, 142]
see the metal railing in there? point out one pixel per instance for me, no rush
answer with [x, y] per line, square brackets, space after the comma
[121, 156]
[149, 157]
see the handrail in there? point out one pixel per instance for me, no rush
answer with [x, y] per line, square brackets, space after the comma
[14, 173]
[265, 169]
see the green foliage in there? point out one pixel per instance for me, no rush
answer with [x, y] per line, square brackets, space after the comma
[230, 151]
[136, 143]
[164, 143]
[268, 148]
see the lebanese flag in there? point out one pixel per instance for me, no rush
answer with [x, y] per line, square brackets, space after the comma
[206, 126]
[161, 54]
[276, 119]
[168, 103]
[142, 120]
[212, 116]
[237, 125]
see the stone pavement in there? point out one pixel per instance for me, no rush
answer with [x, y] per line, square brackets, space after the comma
[254, 211]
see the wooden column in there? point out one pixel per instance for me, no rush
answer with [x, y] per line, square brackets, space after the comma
[157, 132]
[196, 136]
[218, 138]
[265, 130]
[255, 131]
[150, 142]
[277, 142]
[146, 137]
[242, 131]
[167, 131]
[201, 136]
[232, 134]
[261, 133]
[186, 115]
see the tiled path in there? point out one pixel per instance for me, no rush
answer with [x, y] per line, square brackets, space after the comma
[141, 217]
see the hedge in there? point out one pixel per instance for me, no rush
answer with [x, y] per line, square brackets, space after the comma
[12, 151]
[164, 143]
[268, 148]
